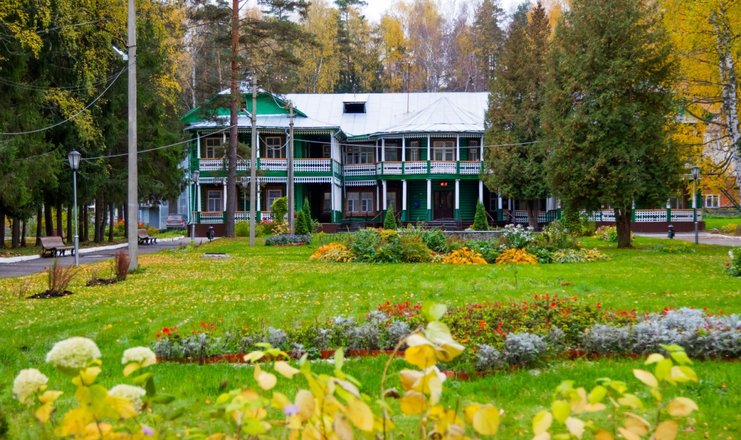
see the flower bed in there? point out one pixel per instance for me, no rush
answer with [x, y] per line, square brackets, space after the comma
[287, 240]
[500, 334]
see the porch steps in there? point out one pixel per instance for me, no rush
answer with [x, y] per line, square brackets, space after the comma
[445, 225]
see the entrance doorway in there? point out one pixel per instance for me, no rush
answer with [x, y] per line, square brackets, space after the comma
[443, 205]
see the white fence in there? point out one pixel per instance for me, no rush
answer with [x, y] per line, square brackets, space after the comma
[648, 216]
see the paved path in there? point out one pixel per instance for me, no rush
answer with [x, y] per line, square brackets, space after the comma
[703, 237]
[87, 255]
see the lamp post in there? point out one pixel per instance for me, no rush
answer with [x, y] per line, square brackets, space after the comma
[695, 172]
[194, 178]
[74, 163]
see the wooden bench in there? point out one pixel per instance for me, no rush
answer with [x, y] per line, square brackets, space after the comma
[54, 246]
[145, 238]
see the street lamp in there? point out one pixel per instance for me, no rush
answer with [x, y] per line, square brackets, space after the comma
[74, 163]
[194, 177]
[695, 173]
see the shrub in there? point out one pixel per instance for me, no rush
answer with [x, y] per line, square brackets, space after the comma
[333, 252]
[578, 256]
[524, 348]
[678, 248]
[287, 239]
[464, 256]
[59, 277]
[435, 240]
[606, 233]
[300, 226]
[279, 208]
[543, 254]
[516, 256]
[578, 224]
[308, 221]
[733, 265]
[480, 222]
[604, 339]
[242, 229]
[557, 236]
[489, 358]
[413, 249]
[489, 250]
[516, 237]
[365, 243]
[389, 220]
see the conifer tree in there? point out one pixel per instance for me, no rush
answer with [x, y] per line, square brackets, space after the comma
[389, 220]
[518, 169]
[480, 223]
[607, 108]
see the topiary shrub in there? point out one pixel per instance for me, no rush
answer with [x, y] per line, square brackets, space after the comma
[389, 220]
[480, 222]
[280, 208]
[308, 221]
[301, 228]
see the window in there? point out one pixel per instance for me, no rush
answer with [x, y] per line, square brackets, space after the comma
[326, 151]
[391, 201]
[473, 149]
[392, 153]
[354, 107]
[214, 201]
[360, 202]
[443, 150]
[413, 151]
[359, 154]
[214, 148]
[272, 195]
[274, 148]
[712, 201]
[327, 203]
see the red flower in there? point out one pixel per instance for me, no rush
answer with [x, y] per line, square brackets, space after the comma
[553, 303]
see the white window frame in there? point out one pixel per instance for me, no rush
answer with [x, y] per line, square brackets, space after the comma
[415, 154]
[274, 147]
[712, 200]
[214, 199]
[473, 150]
[366, 201]
[443, 150]
[213, 146]
[353, 202]
[270, 196]
[393, 149]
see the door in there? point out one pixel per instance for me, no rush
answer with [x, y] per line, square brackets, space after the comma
[442, 205]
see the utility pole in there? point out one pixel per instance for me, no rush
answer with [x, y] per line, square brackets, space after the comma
[231, 181]
[289, 154]
[133, 196]
[253, 161]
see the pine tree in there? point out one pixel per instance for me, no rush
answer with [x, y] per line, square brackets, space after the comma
[389, 220]
[480, 222]
[308, 222]
[607, 107]
[515, 102]
[301, 228]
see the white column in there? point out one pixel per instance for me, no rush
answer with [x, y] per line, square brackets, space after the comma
[403, 148]
[383, 150]
[481, 191]
[378, 198]
[259, 198]
[457, 147]
[457, 194]
[257, 152]
[384, 195]
[429, 149]
[198, 196]
[481, 148]
[403, 195]
[499, 201]
[198, 145]
[429, 194]
[224, 182]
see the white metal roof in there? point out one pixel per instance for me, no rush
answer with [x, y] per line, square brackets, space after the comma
[421, 112]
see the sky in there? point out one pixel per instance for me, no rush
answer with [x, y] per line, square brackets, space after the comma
[375, 8]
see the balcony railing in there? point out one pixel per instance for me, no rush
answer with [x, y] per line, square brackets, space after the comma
[217, 217]
[299, 165]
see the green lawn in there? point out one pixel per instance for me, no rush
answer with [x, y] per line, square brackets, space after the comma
[719, 222]
[277, 286]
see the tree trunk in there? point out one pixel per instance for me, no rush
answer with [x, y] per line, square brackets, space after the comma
[70, 232]
[15, 233]
[622, 223]
[100, 214]
[231, 182]
[60, 228]
[24, 229]
[98, 235]
[533, 209]
[110, 223]
[48, 219]
[39, 218]
[85, 224]
[2, 230]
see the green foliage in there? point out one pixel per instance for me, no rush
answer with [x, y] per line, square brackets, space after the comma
[606, 233]
[287, 239]
[308, 221]
[242, 229]
[515, 101]
[480, 222]
[609, 63]
[435, 240]
[733, 265]
[556, 236]
[301, 228]
[389, 220]
[489, 250]
[413, 249]
[279, 209]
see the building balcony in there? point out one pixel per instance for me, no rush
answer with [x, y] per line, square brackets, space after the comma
[217, 217]
[306, 166]
[420, 168]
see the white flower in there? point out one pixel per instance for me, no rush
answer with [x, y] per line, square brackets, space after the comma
[27, 383]
[74, 353]
[142, 355]
[131, 393]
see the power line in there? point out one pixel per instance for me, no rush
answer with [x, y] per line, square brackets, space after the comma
[38, 130]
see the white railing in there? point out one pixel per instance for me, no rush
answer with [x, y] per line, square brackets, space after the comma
[686, 215]
[312, 165]
[273, 164]
[266, 216]
[415, 167]
[648, 215]
[442, 167]
[243, 165]
[470, 167]
[520, 216]
[360, 169]
[212, 217]
[211, 164]
[393, 168]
